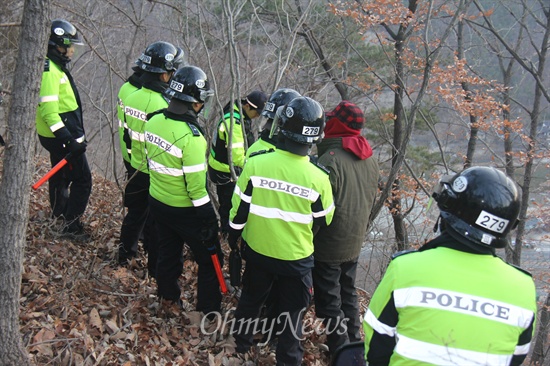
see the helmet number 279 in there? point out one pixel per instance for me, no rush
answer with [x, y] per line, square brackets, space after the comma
[492, 222]
[310, 131]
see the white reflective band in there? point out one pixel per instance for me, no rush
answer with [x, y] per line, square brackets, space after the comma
[159, 168]
[377, 325]
[137, 136]
[49, 98]
[275, 213]
[163, 144]
[81, 139]
[237, 144]
[194, 168]
[236, 226]
[445, 355]
[457, 302]
[284, 187]
[57, 126]
[313, 195]
[522, 350]
[120, 123]
[324, 212]
[129, 151]
[244, 197]
[201, 201]
[135, 113]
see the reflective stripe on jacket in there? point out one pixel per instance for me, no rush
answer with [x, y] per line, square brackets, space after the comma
[126, 89]
[177, 165]
[218, 157]
[137, 106]
[277, 199]
[58, 114]
[447, 307]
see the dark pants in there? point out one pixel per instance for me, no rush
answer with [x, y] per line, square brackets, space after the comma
[336, 302]
[130, 170]
[137, 219]
[224, 190]
[70, 188]
[294, 295]
[176, 227]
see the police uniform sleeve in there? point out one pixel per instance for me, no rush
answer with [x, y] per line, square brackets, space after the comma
[48, 105]
[237, 144]
[240, 201]
[323, 206]
[380, 321]
[524, 343]
[194, 169]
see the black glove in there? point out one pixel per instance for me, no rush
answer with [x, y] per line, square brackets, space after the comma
[233, 238]
[235, 265]
[75, 148]
[209, 235]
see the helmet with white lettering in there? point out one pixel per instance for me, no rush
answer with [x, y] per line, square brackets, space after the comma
[301, 120]
[279, 98]
[161, 57]
[63, 34]
[480, 205]
[190, 84]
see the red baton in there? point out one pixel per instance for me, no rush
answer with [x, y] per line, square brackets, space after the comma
[52, 171]
[219, 274]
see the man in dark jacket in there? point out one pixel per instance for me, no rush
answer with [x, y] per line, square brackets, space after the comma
[354, 176]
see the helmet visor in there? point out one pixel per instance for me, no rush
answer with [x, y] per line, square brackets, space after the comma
[275, 125]
[206, 97]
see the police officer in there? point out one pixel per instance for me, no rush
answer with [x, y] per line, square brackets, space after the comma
[218, 160]
[454, 302]
[61, 131]
[179, 201]
[279, 196]
[267, 139]
[132, 84]
[158, 62]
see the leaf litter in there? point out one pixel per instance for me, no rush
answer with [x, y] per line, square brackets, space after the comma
[78, 307]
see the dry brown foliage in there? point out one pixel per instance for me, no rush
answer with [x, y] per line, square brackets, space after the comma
[79, 308]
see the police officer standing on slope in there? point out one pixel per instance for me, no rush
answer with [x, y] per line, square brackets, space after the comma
[279, 197]
[454, 302]
[218, 160]
[159, 62]
[179, 201]
[60, 129]
[267, 139]
[132, 84]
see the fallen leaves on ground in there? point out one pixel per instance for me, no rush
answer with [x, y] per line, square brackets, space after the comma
[79, 308]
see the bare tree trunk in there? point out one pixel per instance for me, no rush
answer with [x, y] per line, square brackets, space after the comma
[472, 141]
[15, 185]
[539, 350]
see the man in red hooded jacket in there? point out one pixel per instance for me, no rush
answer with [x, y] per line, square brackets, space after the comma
[354, 177]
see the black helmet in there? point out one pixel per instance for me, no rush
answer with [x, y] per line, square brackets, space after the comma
[189, 84]
[63, 34]
[279, 98]
[480, 204]
[161, 57]
[301, 120]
